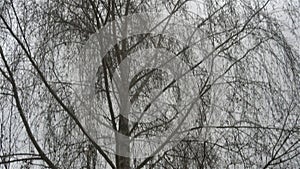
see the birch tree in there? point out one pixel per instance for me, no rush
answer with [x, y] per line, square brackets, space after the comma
[204, 84]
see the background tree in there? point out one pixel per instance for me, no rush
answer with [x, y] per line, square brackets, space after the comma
[244, 60]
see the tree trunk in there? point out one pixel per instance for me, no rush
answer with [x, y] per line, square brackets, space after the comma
[123, 142]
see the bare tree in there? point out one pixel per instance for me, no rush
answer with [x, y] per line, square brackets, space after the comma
[234, 101]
